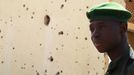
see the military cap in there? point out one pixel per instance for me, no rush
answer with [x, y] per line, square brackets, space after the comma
[109, 10]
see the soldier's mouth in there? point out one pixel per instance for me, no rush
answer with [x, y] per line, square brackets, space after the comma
[97, 44]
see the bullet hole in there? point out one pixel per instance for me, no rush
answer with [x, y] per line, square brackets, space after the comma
[87, 64]
[51, 58]
[105, 63]
[14, 60]
[31, 54]
[40, 44]
[65, 0]
[13, 48]
[78, 28]
[85, 38]
[56, 48]
[27, 9]
[94, 69]
[5, 22]
[76, 62]
[24, 5]
[46, 20]
[31, 17]
[1, 37]
[80, 9]
[76, 37]
[37, 73]
[103, 68]
[62, 6]
[33, 13]
[32, 66]
[61, 71]
[96, 73]
[62, 45]
[23, 68]
[58, 73]
[88, 72]
[51, 1]
[45, 71]
[0, 31]
[11, 19]
[87, 7]
[76, 49]
[67, 34]
[18, 16]
[45, 9]
[130, 0]
[2, 62]
[51, 27]
[61, 33]
[24, 64]
[98, 57]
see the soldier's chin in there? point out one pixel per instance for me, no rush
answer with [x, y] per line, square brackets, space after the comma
[101, 50]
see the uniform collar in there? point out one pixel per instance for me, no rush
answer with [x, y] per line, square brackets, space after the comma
[131, 53]
[117, 64]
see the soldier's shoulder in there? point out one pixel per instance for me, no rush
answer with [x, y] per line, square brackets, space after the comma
[131, 68]
[131, 64]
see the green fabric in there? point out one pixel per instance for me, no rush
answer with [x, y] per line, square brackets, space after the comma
[109, 10]
[123, 65]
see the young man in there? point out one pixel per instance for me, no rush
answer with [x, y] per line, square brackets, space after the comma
[108, 26]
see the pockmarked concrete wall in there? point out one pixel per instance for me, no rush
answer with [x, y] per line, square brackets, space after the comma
[47, 37]
[122, 2]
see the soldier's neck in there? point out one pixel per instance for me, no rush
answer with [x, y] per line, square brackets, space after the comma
[119, 51]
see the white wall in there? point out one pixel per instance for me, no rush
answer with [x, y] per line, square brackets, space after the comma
[29, 47]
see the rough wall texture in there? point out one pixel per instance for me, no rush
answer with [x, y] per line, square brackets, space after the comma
[122, 2]
[47, 37]
[130, 7]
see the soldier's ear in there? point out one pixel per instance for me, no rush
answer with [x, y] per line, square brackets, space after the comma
[123, 27]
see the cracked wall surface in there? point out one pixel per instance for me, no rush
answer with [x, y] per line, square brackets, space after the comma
[48, 37]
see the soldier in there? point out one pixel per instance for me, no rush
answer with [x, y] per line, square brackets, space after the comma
[108, 26]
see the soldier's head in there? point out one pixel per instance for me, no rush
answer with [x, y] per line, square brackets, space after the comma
[108, 25]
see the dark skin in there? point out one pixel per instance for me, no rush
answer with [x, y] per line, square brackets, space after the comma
[109, 36]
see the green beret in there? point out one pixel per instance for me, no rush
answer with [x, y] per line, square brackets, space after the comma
[109, 10]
